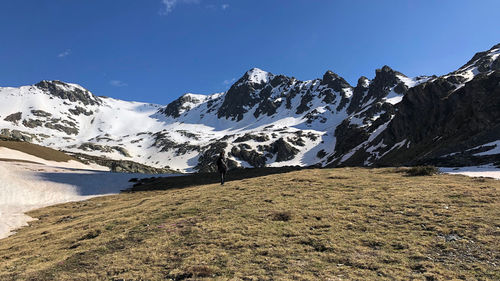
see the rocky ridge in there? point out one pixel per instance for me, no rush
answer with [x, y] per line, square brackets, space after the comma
[267, 120]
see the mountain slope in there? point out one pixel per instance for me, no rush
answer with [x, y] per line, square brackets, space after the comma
[445, 121]
[274, 120]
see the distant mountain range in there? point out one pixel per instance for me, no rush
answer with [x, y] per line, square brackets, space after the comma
[275, 120]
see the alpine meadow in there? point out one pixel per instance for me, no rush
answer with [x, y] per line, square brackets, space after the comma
[249, 140]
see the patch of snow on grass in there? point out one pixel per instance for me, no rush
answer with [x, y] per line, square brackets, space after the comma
[489, 171]
[29, 186]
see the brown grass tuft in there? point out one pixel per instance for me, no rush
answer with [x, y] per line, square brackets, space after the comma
[422, 171]
[281, 215]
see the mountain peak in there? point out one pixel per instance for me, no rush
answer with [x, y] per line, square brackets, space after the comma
[386, 72]
[331, 74]
[363, 82]
[69, 91]
[255, 70]
[334, 81]
[257, 75]
[484, 61]
[385, 68]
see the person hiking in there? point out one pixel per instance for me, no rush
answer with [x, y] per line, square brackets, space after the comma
[222, 167]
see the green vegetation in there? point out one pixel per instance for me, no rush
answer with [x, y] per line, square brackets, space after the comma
[316, 224]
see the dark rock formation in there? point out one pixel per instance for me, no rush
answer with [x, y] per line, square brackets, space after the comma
[239, 99]
[162, 140]
[54, 125]
[206, 161]
[104, 148]
[339, 85]
[122, 166]
[348, 137]
[175, 108]
[80, 110]
[14, 117]
[32, 123]
[59, 89]
[283, 150]
[257, 138]
[18, 135]
[359, 94]
[437, 119]
[40, 113]
[252, 157]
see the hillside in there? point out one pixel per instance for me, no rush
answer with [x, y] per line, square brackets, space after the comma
[269, 120]
[37, 151]
[315, 224]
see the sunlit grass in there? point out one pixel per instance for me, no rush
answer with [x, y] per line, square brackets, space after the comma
[318, 224]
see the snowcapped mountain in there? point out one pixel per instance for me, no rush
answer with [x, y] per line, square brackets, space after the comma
[275, 120]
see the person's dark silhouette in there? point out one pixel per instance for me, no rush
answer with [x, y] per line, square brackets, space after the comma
[222, 167]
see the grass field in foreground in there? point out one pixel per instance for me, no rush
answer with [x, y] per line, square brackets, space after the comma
[317, 224]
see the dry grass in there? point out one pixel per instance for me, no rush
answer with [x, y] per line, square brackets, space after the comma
[321, 224]
[37, 150]
[422, 171]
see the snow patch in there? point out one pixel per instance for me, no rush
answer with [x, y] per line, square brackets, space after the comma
[489, 171]
[494, 150]
[29, 186]
[258, 76]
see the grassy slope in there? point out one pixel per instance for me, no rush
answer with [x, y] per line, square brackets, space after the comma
[344, 224]
[37, 150]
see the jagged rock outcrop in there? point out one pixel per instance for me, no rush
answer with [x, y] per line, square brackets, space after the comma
[244, 94]
[184, 103]
[17, 135]
[438, 119]
[103, 148]
[245, 153]
[14, 117]
[69, 92]
[40, 113]
[206, 161]
[441, 121]
[275, 120]
[283, 150]
[120, 166]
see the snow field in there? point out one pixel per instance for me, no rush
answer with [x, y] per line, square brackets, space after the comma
[28, 186]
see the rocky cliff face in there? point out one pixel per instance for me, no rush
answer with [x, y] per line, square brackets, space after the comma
[274, 120]
[448, 120]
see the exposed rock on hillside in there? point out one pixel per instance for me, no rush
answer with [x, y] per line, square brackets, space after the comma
[121, 166]
[70, 92]
[284, 151]
[14, 117]
[207, 159]
[275, 120]
[103, 148]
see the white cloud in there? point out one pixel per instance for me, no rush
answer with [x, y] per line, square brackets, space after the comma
[117, 83]
[64, 54]
[169, 5]
[224, 6]
[229, 82]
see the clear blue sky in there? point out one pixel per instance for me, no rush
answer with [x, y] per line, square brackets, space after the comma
[143, 50]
